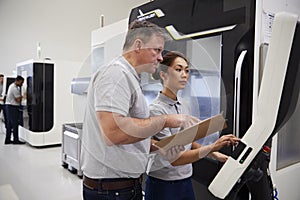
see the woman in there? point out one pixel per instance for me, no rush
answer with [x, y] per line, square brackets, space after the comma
[173, 181]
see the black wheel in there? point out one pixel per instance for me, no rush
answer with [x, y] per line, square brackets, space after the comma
[72, 170]
[64, 165]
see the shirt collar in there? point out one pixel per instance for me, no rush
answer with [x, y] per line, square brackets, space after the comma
[168, 100]
[130, 68]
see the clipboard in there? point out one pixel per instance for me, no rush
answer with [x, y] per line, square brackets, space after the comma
[195, 132]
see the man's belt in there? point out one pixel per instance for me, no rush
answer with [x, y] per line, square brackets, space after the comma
[111, 184]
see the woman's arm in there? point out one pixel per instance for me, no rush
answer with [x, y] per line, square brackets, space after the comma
[202, 151]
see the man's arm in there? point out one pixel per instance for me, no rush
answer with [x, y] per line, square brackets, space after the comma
[17, 95]
[118, 129]
[19, 99]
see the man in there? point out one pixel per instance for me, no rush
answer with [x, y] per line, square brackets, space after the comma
[1, 94]
[2, 99]
[117, 127]
[13, 106]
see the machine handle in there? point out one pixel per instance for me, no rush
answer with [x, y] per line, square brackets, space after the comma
[237, 93]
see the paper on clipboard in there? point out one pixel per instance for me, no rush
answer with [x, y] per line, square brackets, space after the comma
[195, 132]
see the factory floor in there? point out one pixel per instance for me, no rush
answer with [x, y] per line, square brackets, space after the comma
[30, 173]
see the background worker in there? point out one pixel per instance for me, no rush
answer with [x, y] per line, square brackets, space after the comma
[13, 111]
[1, 94]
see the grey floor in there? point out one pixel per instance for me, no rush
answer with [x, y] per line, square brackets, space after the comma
[30, 173]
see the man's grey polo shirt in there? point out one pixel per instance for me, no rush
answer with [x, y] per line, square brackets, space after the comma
[113, 88]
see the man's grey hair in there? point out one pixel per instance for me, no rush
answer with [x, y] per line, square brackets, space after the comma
[143, 30]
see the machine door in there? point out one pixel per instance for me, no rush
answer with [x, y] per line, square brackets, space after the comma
[39, 89]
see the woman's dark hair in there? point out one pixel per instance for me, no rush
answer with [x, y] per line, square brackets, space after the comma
[168, 59]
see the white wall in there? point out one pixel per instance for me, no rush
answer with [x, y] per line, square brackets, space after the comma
[63, 27]
[292, 6]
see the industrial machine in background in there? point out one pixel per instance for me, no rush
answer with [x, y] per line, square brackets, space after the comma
[47, 102]
[71, 147]
[71, 144]
[39, 94]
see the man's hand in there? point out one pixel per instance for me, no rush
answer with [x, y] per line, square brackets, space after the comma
[181, 120]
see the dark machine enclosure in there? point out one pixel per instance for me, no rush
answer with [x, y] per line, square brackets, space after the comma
[40, 95]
